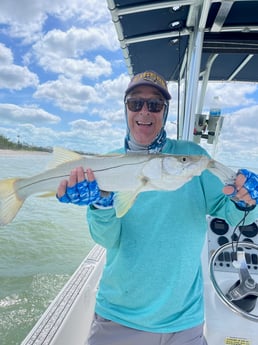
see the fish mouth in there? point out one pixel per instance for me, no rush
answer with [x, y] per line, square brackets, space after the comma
[148, 124]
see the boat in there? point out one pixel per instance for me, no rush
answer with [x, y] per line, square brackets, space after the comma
[190, 42]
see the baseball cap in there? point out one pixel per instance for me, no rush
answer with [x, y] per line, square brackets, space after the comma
[150, 78]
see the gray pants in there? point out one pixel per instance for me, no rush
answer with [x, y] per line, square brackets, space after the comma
[106, 332]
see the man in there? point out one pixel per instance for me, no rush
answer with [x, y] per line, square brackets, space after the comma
[151, 290]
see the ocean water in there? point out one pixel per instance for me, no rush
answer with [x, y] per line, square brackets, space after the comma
[39, 251]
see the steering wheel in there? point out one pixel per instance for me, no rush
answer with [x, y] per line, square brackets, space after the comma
[246, 287]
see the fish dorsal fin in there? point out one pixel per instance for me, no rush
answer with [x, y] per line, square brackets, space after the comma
[61, 156]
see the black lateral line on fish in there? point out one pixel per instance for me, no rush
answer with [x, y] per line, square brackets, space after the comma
[117, 166]
[66, 175]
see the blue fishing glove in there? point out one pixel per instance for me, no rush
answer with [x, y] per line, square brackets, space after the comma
[87, 193]
[251, 185]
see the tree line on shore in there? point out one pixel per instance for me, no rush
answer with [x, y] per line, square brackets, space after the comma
[7, 144]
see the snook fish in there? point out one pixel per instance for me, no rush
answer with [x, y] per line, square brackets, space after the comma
[127, 175]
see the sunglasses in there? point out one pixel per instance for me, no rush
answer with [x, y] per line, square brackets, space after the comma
[154, 105]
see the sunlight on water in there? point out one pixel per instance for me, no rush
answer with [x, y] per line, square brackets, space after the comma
[40, 250]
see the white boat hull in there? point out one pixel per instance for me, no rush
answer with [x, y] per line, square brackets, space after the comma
[68, 318]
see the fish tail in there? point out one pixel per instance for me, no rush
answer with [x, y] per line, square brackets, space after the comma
[224, 173]
[10, 203]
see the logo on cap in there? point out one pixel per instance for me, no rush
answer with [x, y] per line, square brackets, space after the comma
[150, 76]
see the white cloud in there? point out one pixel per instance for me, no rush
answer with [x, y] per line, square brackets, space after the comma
[244, 118]
[67, 52]
[22, 18]
[240, 130]
[98, 136]
[16, 77]
[234, 94]
[25, 18]
[69, 95]
[116, 116]
[89, 11]
[72, 95]
[76, 69]
[6, 56]
[74, 42]
[92, 137]
[12, 76]
[14, 114]
[113, 88]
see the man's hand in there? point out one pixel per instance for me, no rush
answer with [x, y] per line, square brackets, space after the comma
[82, 189]
[244, 192]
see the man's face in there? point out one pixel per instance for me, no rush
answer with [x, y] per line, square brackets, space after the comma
[144, 124]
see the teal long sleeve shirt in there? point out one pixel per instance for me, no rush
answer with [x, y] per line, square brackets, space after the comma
[152, 280]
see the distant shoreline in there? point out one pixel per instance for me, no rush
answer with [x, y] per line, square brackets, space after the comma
[5, 152]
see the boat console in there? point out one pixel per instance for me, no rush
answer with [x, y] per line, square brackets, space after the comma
[230, 267]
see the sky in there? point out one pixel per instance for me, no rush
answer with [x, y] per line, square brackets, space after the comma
[63, 76]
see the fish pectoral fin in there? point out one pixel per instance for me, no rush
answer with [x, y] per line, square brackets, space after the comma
[61, 156]
[123, 201]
